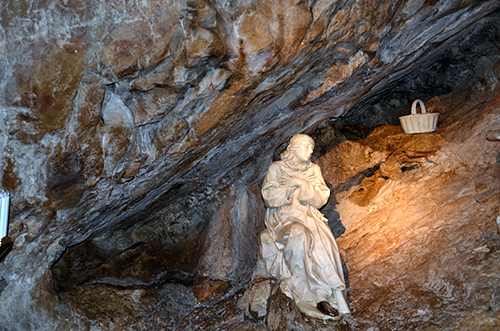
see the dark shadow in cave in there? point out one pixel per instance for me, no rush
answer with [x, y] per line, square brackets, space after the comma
[333, 216]
[157, 246]
[471, 61]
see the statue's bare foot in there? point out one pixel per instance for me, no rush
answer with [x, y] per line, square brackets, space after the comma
[327, 309]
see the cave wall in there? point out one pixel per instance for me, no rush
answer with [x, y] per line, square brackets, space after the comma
[117, 117]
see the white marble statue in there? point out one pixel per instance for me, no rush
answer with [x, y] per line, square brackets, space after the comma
[298, 246]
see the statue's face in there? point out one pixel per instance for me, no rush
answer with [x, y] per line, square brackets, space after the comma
[304, 151]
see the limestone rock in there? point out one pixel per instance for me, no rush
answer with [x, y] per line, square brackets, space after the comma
[255, 301]
[347, 160]
[126, 128]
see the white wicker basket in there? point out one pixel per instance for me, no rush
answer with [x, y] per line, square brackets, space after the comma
[419, 123]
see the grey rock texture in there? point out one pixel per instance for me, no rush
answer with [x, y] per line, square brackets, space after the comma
[134, 136]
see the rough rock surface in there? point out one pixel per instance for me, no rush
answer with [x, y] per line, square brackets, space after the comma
[421, 241]
[134, 135]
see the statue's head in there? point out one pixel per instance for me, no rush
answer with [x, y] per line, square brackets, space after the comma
[301, 147]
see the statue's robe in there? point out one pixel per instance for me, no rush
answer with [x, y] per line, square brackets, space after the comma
[298, 246]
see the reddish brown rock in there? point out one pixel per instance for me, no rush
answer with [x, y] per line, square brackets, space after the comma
[415, 242]
[347, 160]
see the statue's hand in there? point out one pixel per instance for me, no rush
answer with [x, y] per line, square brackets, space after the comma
[292, 181]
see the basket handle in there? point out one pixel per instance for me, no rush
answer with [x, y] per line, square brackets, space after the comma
[414, 107]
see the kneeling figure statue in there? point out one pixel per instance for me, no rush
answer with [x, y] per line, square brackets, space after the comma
[297, 245]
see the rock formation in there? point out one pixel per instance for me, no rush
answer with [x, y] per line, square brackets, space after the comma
[134, 137]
